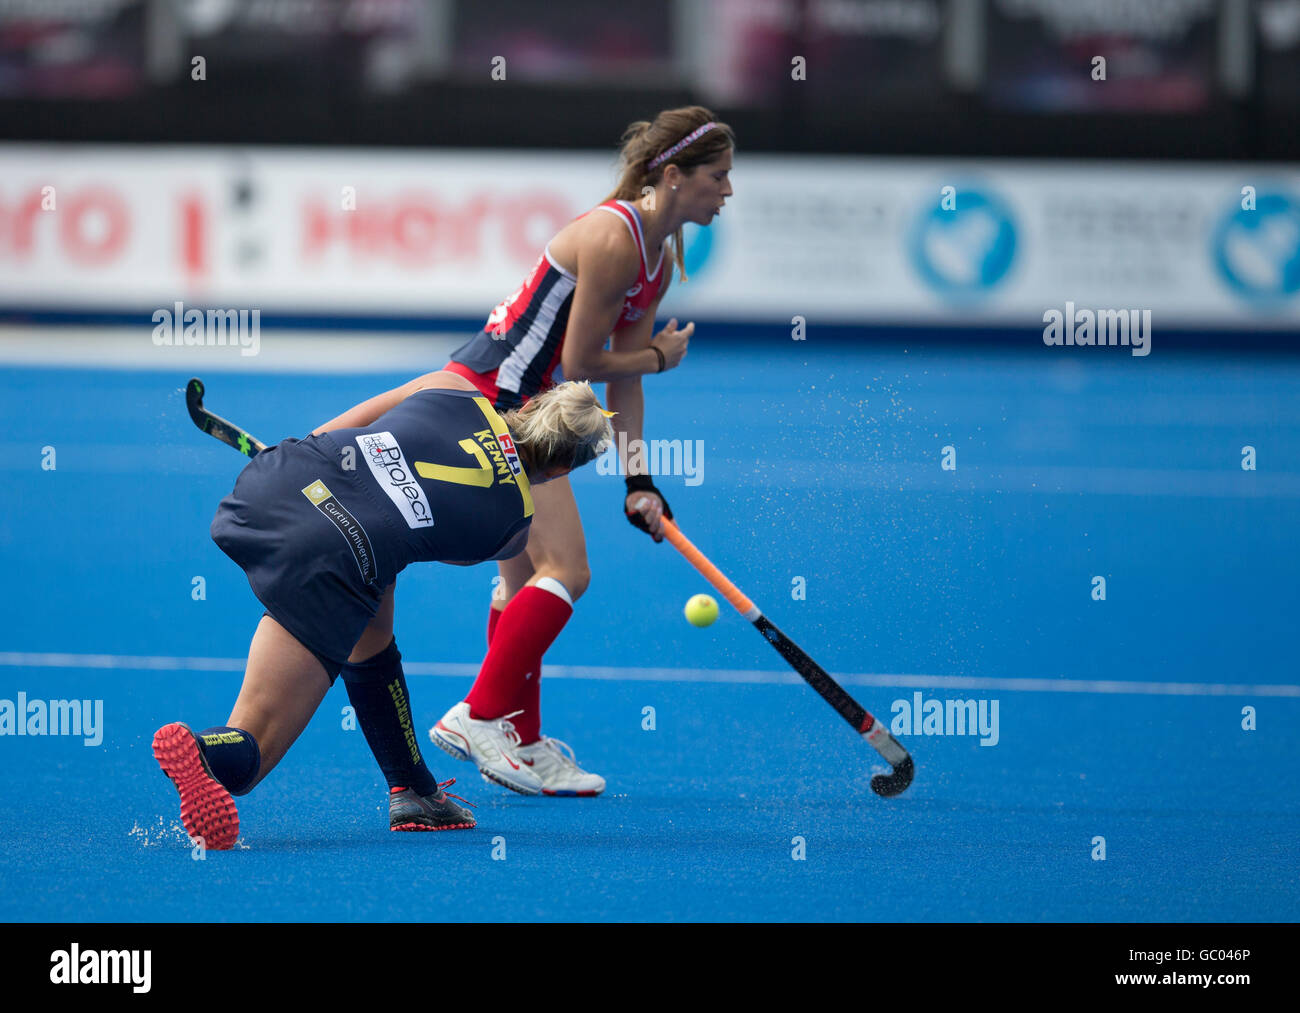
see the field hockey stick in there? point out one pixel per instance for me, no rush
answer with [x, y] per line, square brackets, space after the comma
[831, 691]
[214, 425]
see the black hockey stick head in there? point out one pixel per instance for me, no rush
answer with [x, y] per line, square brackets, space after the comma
[215, 426]
[898, 758]
[889, 785]
[194, 402]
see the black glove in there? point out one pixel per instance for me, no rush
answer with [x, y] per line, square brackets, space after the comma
[642, 483]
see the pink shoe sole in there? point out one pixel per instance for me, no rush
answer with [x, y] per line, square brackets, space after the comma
[207, 809]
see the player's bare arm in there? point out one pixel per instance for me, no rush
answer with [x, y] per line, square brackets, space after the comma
[369, 410]
[627, 398]
[607, 263]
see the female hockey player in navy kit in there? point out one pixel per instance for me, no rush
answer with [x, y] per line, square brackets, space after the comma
[428, 471]
[598, 282]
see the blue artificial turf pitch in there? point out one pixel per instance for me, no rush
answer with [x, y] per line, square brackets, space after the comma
[820, 462]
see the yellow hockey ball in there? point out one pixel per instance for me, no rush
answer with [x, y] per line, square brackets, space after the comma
[701, 610]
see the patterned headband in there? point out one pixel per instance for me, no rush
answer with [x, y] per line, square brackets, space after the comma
[690, 138]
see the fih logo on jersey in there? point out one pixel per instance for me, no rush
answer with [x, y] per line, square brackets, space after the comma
[965, 251]
[388, 465]
[1257, 251]
[512, 456]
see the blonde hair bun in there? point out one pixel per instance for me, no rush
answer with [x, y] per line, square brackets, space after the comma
[565, 426]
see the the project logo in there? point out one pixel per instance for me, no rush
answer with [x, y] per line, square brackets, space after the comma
[1257, 251]
[388, 465]
[967, 248]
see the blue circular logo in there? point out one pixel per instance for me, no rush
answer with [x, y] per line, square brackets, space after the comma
[965, 251]
[1258, 252]
[699, 244]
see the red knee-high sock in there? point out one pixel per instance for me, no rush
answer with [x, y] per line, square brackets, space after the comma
[529, 699]
[526, 628]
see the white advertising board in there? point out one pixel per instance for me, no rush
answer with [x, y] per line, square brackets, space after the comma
[831, 239]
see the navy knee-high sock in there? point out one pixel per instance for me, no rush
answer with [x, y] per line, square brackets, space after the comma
[233, 755]
[377, 691]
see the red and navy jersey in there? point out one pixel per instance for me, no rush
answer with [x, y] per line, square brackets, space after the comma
[518, 350]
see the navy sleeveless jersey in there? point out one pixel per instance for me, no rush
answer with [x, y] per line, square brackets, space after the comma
[440, 477]
[321, 526]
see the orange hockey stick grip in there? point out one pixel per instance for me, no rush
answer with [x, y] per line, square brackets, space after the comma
[710, 572]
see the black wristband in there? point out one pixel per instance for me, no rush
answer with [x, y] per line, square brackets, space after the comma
[662, 361]
[644, 483]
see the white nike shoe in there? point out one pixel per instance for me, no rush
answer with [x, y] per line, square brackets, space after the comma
[489, 745]
[553, 761]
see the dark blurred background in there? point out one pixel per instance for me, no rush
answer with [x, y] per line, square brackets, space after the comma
[1212, 79]
[1136, 154]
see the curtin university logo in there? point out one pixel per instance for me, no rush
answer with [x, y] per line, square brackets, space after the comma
[1257, 252]
[966, 251]
[338, 515]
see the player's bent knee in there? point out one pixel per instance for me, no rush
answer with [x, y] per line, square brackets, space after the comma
[370, 663]
[575, 581]
[373, 643]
